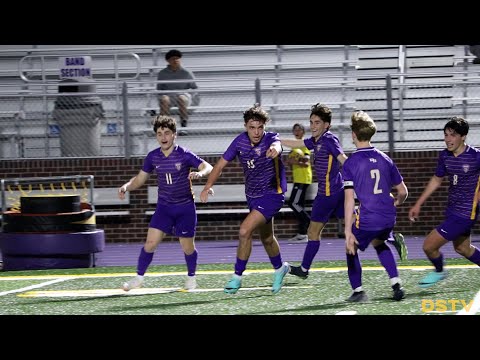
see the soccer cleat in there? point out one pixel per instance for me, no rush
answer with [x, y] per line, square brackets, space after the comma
[358, 296]
[432, 278]
[299, 239]
[278, 276]
[134, 283]
[400, 246]
[398, 292]
[233, 285]
[297, 271]
[190, 283]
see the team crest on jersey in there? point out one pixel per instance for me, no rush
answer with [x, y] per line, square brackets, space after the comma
[178, 166]
[465, 167]
[319, 147]
[258, 151]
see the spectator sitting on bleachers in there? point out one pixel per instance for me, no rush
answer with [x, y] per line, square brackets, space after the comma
[475, 50]
[175, 71]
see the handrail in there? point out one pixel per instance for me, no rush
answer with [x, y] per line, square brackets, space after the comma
[42, 58]
[270, 65]
[205, 68]
[159, 47]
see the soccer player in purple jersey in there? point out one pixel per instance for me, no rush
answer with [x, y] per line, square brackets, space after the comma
[370, 174]
[265, 185]
[461, 163]
[328, 156]
[175, 212]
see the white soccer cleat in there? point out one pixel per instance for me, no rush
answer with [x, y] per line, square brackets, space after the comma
[134, 283]
[190, 283]
[299, 239]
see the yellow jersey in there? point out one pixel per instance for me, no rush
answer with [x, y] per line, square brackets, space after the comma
[301, 174]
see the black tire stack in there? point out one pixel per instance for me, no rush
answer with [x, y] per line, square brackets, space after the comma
[50, 232]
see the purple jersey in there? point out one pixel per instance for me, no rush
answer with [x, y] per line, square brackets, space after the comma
[262, 175]
[327, 167]
[372, 174]
[463, 173]
[174, 185]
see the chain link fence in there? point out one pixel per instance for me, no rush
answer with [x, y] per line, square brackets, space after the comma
[114, 118]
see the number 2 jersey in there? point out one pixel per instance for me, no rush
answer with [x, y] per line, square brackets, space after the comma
[372, 174]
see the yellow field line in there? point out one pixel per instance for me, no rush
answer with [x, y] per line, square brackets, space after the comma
[212, 272]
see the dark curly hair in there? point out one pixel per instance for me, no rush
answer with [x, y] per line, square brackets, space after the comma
[322, 111]
[458, 125]
[164, 121]
[256, 113]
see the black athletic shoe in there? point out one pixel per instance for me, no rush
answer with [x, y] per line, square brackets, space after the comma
[398, 293]
[297, 271]
[358, 296]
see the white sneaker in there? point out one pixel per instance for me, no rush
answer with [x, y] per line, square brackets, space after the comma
[299, 238]
[134, 283]
[190, 283]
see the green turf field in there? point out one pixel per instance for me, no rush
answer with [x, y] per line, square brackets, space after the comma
[97, 291]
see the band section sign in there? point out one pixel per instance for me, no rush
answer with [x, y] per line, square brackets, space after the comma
[78, 67]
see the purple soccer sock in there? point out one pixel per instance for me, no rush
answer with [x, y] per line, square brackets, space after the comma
[475, 258]
[354, 270]
[191, 262]
[276, 261]
[310, 252]
[387, 260]
[240, 266]
[438, 263]
[144, 261]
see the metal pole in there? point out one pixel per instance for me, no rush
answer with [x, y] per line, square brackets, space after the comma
[402, 67]
[258, 91]
[390, 115]
[465, 88]
[126, 121]
[90, 180]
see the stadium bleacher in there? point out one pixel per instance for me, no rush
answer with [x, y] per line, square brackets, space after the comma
[431, 84]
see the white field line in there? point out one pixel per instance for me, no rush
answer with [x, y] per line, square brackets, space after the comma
[474, 308]
[347, 312]
[36, 286]
[217, 272]
[133, 292]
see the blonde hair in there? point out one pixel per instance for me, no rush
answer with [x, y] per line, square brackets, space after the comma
[363, 125]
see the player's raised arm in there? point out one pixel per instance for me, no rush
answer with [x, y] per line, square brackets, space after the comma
[204, 169]
[274, 150]
[291, 143]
